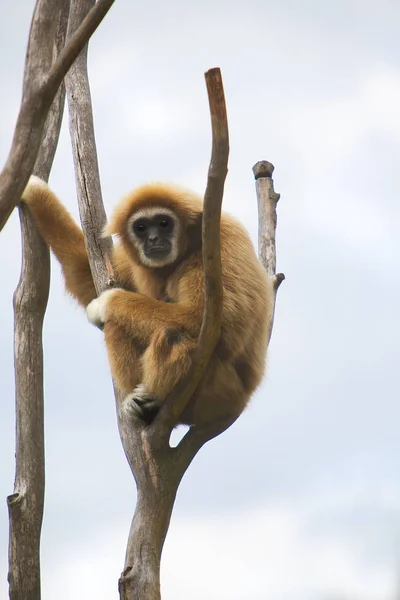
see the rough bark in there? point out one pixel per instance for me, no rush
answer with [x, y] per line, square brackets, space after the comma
[39, 89]
[25, 505]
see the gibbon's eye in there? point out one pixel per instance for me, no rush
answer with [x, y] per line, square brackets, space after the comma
[164, 223]
[139, 227]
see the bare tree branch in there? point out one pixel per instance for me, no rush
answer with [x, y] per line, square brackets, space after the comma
[77, 42]
[91, 208]
[267, 200]
[39, 88]
[211, 325]
[25, 505]
[49, 142]
[196, 437]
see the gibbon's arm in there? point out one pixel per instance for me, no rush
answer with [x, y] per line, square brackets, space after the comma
[65, 238]
[143, 316]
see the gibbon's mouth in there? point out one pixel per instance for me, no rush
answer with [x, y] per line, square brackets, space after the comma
[157, 251]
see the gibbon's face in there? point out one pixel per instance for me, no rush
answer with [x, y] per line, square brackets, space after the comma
[155, 232]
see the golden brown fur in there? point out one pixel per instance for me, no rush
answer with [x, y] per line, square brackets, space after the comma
[151, 326]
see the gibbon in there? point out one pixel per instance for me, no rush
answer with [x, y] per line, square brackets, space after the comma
[152, 320]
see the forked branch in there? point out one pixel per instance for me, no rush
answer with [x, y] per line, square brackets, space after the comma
[156, 467]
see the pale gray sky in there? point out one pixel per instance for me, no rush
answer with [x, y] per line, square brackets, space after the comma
[300, 500]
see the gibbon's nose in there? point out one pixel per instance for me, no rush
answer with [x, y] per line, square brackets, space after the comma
[153, 235]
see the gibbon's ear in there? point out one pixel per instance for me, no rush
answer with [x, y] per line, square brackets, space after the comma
[194, 233]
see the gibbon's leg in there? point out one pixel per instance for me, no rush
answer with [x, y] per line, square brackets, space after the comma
[223, 392]
[124, 356]
[166, 331]
[165, 362]
[65, 238]
[219, 395]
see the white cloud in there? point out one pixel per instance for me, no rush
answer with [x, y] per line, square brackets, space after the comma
[343, 196]
[265, 553]
[339, 127]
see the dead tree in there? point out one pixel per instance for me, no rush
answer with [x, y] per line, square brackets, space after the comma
[157, 468]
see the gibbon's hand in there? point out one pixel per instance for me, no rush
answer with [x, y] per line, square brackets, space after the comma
[96, 310]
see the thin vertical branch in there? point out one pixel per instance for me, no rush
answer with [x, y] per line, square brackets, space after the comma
[91, 208]
[267, 200]
[211, 325]
[25, 505]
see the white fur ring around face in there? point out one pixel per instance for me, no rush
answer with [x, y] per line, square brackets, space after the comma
[96, 310]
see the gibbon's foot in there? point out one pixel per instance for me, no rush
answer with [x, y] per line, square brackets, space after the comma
[141, 402]
[96, 310]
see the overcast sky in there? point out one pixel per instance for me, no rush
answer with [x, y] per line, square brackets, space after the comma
[300, 499]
